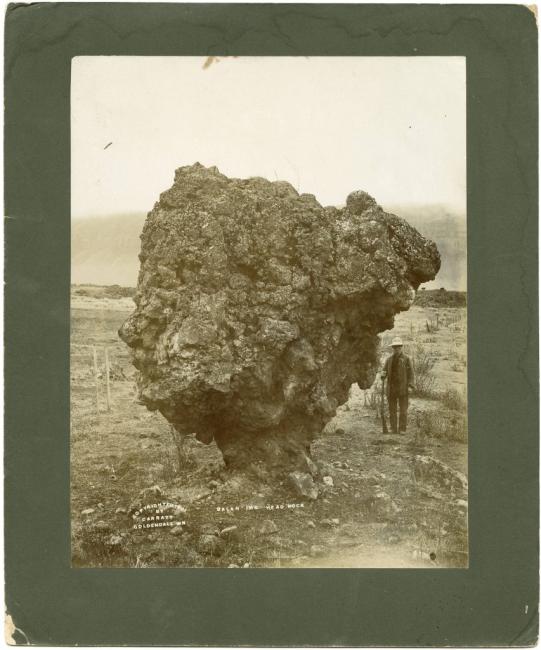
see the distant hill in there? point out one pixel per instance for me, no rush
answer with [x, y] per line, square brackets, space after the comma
[104, 250]
[440, 298]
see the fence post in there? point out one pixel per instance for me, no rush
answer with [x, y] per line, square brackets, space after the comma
[107, 379]
[95, 356]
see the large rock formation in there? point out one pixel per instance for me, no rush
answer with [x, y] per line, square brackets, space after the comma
[257, 309]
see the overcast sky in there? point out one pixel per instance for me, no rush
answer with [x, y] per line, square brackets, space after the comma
[393, 126]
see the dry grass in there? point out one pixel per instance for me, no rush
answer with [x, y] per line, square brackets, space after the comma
[442, 424]
[423, 366]
[117, 453]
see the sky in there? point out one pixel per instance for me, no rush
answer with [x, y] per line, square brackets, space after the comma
[392, 126]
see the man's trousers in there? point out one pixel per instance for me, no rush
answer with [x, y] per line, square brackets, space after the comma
[398, 402]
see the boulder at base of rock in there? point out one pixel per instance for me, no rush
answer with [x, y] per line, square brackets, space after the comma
[303, 485]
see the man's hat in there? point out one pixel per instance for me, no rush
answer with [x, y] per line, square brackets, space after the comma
[396, 342]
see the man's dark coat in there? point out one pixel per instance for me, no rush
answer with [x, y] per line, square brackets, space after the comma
[405, 376]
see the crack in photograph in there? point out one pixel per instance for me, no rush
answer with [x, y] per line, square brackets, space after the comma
[268, 312]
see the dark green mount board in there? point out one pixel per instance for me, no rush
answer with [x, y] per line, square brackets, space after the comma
[495, 600]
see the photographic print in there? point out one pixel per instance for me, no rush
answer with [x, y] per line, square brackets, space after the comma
[268, 348]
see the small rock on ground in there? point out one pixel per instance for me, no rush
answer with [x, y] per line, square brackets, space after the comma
[177, 530]
[211, 545]
[231, 532]
[330, 523]
[154, 491]
[268, 527]
[304, 485]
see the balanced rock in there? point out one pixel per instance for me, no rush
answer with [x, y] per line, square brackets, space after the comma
[257, 309]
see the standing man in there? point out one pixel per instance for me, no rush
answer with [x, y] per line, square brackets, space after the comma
[398, 371]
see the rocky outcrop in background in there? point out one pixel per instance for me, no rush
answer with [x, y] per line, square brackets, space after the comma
[257, 309]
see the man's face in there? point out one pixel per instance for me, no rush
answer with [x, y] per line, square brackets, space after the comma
[397, 349]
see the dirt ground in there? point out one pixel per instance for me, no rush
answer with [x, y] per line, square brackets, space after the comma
[384, 501]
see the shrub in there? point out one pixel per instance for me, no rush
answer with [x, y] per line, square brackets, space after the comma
[453, 400]
[445, 425]
[423, 367]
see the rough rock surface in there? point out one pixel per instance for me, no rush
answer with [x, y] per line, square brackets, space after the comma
[257, 308]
